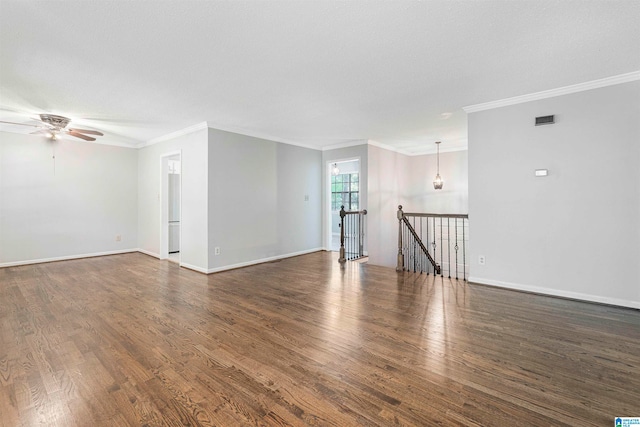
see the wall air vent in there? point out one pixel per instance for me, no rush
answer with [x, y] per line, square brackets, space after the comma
[545, 120]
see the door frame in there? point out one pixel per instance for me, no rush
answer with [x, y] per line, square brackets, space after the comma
[164, 202]
[327, 235]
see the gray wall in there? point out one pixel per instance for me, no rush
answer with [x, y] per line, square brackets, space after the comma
[575, 233]
[257, 206]
[72, 206]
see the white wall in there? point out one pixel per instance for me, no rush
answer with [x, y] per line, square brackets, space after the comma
[575, 233]
[194, 210]
[396, 179]
[388, 177]
[72, 206]
[257, 206]
[453, 198]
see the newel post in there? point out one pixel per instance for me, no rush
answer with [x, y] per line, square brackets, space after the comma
[342, 258]
[400, 263]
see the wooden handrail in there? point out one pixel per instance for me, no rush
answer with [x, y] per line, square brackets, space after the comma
[436, 267]
[424, 215]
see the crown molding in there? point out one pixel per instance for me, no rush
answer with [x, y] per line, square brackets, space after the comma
[388, 147]
[115, 144]
[566, 90]
[346, 144]
[442, 150]
[426, 152]
[175, 134]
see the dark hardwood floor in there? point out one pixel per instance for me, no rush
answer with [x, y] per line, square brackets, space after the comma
[130, 340]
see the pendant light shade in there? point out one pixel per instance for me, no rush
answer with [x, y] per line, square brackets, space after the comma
[336, 171]
[438, 182]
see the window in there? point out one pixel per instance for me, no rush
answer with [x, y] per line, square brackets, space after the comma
[344, 191]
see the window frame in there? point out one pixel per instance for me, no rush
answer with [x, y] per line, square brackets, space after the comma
[346, 197]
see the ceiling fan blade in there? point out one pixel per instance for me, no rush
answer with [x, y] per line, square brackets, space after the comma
[79, 135]
[41, 132]
[90, 132]
[21, 124]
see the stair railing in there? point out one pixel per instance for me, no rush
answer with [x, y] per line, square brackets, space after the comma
[352, 226]
[433, 243]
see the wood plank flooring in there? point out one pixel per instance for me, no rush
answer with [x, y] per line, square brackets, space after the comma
[128, 340]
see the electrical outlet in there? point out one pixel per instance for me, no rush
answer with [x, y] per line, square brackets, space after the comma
[481, 260]
[306, 197]
[217, 250]
[118, 237]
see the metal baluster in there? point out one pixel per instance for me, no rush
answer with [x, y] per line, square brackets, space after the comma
[428, 265]
[404, 246]
[456, 248]
[406, 232]
[464, 254]
[408, 248]
[414, 249]
[346, 237]
[449, 246]
[399, 256]
[360, 250]
[434, 244]
[351, 235]
[342, 258]
[421, 259]
[441, 272]
[425, 267]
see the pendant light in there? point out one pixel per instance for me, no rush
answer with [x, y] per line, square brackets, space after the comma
[438, 183]
[336, 171]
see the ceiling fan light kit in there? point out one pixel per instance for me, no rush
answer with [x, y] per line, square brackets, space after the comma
[55, 121]
[54, 125]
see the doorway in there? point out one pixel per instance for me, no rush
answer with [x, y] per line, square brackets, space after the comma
[170, 206]
[343, 183]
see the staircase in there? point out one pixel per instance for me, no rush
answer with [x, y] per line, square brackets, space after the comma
[433, 243]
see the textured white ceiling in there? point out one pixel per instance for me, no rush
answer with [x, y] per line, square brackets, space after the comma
[314, 73]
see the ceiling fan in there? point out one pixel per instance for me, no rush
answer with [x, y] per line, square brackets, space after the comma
[52, 126]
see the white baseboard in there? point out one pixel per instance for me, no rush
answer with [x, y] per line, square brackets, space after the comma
[194, 268]
[153, 254]
[556, 292]
[66, 258]
[258, 261]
